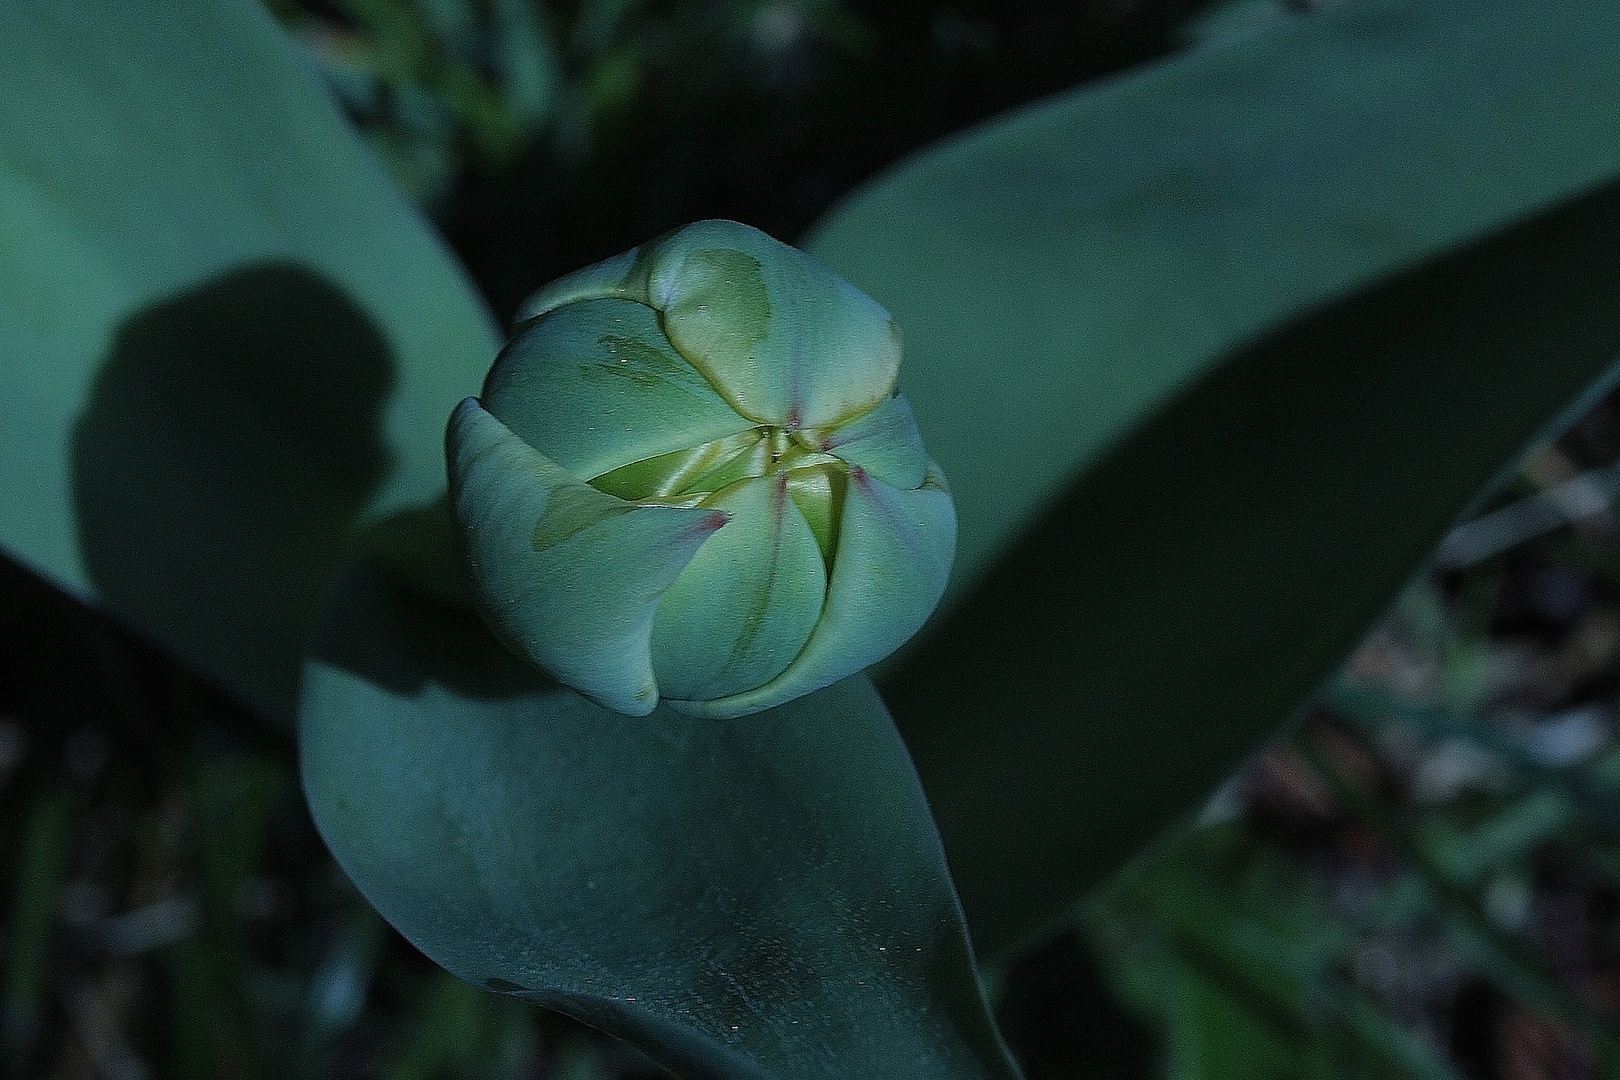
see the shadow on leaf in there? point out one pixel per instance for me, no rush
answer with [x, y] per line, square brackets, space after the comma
[229, 442]
[1189, 592]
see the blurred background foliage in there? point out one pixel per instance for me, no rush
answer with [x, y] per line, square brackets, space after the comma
[1422, 882]
[546, 134]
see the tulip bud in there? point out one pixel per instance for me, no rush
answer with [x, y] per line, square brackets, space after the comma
[690, 477]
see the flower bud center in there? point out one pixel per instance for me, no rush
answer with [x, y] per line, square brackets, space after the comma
[696, 476]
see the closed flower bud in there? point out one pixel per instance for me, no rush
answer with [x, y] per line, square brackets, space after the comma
[690, 478]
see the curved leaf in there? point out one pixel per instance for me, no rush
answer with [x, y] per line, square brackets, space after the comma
[1075, 284]
[1061, 272]
[749, 900]
[1186, 595]
[223, 335]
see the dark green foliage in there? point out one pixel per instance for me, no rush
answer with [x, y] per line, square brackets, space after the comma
[741, 900]
[156, 172]
[1215, 355]
[1253, 529]
[228, 443]
[41, 864]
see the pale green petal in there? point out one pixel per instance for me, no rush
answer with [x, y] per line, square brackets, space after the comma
[748, 601]
[885, 442]
[596, 385]
[818, 492]
[567, 576]
[623, 277]
[786, 340]
[894, 555]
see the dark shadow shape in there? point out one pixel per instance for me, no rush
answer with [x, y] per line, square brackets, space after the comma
[448, 645]
[1246, 536]
[230, 440]
[1061, 1021]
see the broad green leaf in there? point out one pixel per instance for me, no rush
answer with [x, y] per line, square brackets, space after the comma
[223, 335]
[1187, 594]
[765, 898]
[1168, 537]
[1061, 272]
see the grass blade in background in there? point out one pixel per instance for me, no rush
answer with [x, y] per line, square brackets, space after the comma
[1075, 284]
[42, 861]
[762, 899]
[223, 335]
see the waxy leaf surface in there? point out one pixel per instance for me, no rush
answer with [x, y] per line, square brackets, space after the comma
[223, 335]
[1182, 497]
[758, 900]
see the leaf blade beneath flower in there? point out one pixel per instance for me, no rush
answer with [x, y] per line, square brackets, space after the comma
[758, 900]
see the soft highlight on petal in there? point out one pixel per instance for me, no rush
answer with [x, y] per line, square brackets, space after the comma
[569, 577]
[894, 556]
[885, 442]
[783, 338]
[747, 603]
[597, 385]
[623, 276]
